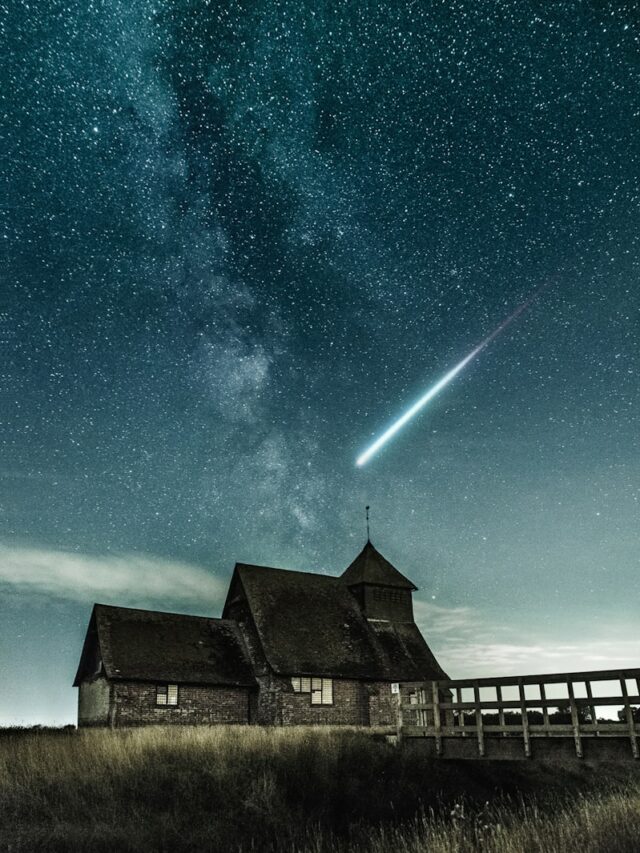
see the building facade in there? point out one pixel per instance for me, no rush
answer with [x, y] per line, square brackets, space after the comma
[291, 648]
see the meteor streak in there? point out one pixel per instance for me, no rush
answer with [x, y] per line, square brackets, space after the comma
[431, 393]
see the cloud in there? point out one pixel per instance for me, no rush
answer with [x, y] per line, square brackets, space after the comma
[467, 643]
[464, 659]
[132, 579]
[445, 621]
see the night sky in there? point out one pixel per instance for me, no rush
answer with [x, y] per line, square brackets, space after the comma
[239, 239]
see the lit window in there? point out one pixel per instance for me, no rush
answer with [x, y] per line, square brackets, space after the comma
[327, 691]
[321, 691]
[167, 694]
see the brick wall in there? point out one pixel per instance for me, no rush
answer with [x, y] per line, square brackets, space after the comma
[93, 702]
[355, 703]
[135, 705]
[382, 705]
[350, 705]
[266, 698]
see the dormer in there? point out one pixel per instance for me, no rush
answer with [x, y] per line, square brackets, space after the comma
[382, 592]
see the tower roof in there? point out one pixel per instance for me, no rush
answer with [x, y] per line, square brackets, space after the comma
[371, 567]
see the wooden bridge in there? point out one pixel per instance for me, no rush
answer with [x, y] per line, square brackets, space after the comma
[573, 714]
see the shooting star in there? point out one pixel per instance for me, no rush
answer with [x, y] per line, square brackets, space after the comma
[446, 379]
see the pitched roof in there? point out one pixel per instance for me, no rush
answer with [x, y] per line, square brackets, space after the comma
[371, 567]
[154, 646]
[310, 624]
[410, 657]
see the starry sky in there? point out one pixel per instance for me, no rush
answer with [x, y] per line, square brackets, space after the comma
[240, 238]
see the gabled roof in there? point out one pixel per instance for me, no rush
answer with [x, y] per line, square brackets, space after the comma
[371, 567]
[310, 624]
[149, 645]
[407, 651]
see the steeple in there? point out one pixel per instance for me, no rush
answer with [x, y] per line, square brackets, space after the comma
[382, 592]
[372, 568]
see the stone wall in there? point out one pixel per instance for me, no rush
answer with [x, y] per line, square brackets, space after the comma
[355, 703]
[93, 702]
[134, 704]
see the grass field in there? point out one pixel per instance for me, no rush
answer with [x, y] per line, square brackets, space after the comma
[311, 790]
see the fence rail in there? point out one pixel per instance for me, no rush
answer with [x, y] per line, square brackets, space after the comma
[440, 711]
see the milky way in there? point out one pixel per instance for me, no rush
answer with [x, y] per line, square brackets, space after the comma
[233, 234]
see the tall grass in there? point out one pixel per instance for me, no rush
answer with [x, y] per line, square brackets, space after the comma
[312, 790]
[600, 823]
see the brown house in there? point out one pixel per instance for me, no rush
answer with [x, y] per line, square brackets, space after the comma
[291, 648]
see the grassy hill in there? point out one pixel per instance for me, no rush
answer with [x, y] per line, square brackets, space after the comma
[311, 790]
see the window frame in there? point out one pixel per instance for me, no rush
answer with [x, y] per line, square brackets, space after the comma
[164, 691]
[309, 684]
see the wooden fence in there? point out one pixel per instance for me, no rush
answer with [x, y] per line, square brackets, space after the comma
[573, 705]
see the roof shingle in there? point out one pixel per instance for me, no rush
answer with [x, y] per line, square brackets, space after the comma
[371, 567]
[311, 624]
[155, 646]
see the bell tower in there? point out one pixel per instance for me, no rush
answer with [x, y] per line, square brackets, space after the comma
[383, 593]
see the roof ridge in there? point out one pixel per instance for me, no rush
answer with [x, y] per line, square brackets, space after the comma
[162, 612]
[287, 571]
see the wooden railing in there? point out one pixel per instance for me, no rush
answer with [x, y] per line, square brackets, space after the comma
[440, 709]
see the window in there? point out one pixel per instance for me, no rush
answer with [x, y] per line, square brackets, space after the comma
[395, 595]
[167, 694]
[320, 689]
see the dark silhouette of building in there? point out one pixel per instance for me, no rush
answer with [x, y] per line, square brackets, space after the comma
[291, 648]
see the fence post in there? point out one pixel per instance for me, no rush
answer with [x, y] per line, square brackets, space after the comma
[545, 711]
[461, 713]
[501, 709]
[592, 708]
[479, 726]
[525, 719]
[436, 716]
[628, 710]
[575, 719]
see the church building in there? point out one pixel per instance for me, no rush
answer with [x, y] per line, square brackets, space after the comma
[291, 648]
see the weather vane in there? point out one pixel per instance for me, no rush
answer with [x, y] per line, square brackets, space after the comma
[366, 509]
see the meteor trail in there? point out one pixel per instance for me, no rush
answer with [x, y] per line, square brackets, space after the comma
[446, 379]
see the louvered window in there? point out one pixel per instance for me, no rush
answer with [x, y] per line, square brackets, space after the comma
[167, 694]
[388, 594]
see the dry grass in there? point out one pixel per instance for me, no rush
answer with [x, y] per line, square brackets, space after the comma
[312, 790]
[601, 823]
